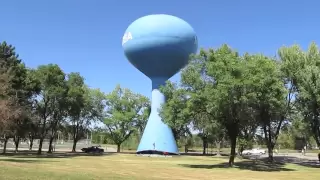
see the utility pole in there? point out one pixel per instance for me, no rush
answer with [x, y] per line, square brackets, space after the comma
[91, 137]
[87, 140]
[58, 137]
[101, 138]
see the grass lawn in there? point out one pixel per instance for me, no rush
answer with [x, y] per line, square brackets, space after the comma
[131, 167]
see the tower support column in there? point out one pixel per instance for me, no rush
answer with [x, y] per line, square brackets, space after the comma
[157, 136]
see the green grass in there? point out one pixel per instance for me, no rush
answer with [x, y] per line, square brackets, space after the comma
[131, 167]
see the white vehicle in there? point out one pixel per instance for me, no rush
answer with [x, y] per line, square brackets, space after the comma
[254, 151]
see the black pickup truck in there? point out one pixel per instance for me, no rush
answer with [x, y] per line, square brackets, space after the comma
[92, 149]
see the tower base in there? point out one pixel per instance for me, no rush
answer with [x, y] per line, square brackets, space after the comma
[152, 152]
[157, 136]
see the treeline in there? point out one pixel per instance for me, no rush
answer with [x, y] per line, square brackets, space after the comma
[43, 102]
[247, 98]
[226, 98]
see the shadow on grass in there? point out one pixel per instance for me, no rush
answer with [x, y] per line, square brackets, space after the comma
[200, 154]
[124, 152]
[23, 160]
[221, 155]
[302, 161]
[33, 154]
[310, 164]
[298, 161]
[245, 165]
[262, 164]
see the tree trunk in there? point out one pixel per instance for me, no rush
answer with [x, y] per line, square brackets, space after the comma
[317, 139]
[315, 125]
[316, 134]
[270, 153]
[74, 146]
[50, 144]
[75, 134]
[42, 135]
[16, 140]
[5, 145]
[186, 148]
[268, 140]
[204, 145]
[40, 145]
[233, 140]
[241, 149]
[118, 147]
[31, 143]
[218, 144]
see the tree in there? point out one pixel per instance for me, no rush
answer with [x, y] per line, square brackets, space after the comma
[19, 129]
[296, 133]
[271, 102]
[33, 88]
[85, 108]
[76, 99]
[300, 129]
[27, 89]
[19, 87]
[246, 137]
[229, 95]
[52, 80]
[303, 71]
[33, 128]
[197, 83]
[216, 135]
[142, 119]
[186, 141]
[174, 112]
[123, 108]
[59, 112]
[225, 95]
[6, 109]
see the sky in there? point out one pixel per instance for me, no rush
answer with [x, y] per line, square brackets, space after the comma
[85, 36]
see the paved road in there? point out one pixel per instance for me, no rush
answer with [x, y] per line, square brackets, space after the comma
[59, 147]
[310, 159]
[68, 146]
[308, 156]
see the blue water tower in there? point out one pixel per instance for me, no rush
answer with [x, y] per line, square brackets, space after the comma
[159, 46]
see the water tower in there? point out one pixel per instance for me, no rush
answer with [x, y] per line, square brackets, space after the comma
[159, 46]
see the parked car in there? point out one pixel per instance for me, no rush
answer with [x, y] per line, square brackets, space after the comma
[92, 149]
[253, 151]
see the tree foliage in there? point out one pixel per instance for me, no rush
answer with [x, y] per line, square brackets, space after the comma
[303, 69]
[175, 111]
[124, 110]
